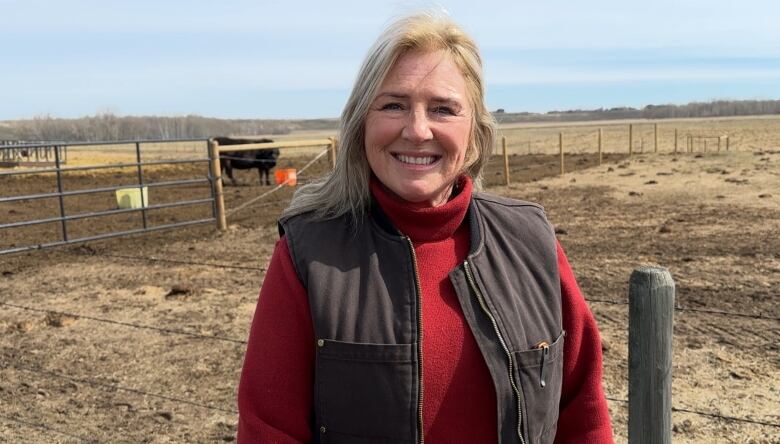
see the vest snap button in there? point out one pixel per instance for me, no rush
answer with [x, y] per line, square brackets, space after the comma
[320, 342]
[322, 429]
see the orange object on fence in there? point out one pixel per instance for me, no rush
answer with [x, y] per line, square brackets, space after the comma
[287, 175]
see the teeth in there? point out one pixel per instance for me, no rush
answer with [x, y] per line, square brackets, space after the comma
[416, 160]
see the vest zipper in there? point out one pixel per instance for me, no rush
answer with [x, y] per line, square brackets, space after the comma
[481, 300]
[421, 434]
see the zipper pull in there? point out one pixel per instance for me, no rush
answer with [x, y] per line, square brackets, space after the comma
[545, 347]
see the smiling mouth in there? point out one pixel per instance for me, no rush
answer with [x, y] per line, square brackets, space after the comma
[416, 160]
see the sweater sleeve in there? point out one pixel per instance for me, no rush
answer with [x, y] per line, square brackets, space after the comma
[275, 391]
[584, 415]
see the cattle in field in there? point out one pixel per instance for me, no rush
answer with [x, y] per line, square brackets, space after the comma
[262, 159]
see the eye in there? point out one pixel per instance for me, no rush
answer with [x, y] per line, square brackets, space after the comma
[392, 106]
[443, 110]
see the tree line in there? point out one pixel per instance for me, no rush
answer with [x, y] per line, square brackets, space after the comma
[106, 126]
[715, 108]
[109, 127]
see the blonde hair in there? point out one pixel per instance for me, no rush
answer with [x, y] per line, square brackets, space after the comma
[345, 190]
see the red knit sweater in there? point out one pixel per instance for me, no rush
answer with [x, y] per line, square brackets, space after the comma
[275, 393]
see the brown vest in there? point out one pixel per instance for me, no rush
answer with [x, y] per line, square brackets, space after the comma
[364, 298]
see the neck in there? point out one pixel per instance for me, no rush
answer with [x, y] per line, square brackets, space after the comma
[421, 222]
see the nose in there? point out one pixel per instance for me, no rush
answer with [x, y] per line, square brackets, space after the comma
[417, 128]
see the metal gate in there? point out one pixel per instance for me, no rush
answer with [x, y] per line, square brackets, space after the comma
[134, 192]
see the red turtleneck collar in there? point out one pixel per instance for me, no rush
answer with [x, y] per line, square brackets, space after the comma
[425, 224]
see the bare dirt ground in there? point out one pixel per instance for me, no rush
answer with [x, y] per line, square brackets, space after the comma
[141, 339]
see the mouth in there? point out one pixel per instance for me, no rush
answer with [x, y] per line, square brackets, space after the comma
[422, 160]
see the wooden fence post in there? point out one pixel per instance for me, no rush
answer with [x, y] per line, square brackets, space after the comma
[651, 318]
[600, 136]
[216, 173]
[675, 141]
[655, 138]
[332, 152]
[727, 142]
[630, 139]
[719, 139]
[560, 147]
[506, 160]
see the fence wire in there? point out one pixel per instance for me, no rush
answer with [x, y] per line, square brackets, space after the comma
[172, 261]
[125, 324]
[276, 188]
[696, 310]
[114, 387]
[47, 428]
[709, 414]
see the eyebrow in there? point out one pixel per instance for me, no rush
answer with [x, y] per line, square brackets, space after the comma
[396, 95]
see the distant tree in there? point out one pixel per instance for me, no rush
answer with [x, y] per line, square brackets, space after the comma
[106, 126]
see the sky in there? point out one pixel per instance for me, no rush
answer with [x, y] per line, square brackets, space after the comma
[298, 58]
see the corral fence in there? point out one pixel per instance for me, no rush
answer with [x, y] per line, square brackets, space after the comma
[131, 195]
[216, 152]
[651, 300]
[15, 153]
[624, 139]
[52, 157]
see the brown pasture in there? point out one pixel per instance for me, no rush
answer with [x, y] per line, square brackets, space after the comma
[140, 339]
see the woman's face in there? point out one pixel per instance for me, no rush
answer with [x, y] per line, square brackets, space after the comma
[418, 128]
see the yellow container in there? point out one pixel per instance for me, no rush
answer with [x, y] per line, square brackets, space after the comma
[131, 197]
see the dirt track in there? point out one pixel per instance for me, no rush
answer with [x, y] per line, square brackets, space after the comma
[67, 377]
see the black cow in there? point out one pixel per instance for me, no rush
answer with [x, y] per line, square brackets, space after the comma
[262, 159]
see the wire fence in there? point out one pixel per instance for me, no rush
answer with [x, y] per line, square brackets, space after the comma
[162, 330]
[168, 397]
[122, 323]
[258, 202]
[47, 428]
[276, 188]
[173, 261]
[696, 310]
[114, 387]
[709, 414]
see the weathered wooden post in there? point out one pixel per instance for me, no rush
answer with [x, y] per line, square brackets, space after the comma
[506, 160]
[727, 142]
[630, 139]
[560, 147]
[650, 325]
[719, 139]
[600, 136]
[332, 152]
[675, 141]
[655, 138]
[216, 173]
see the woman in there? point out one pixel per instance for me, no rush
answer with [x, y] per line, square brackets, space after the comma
[400, 305]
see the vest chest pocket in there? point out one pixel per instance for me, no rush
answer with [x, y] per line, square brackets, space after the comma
[540, 373]
[364, 392]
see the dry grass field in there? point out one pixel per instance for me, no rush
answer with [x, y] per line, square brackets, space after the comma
[141, 339]
[745, 133]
